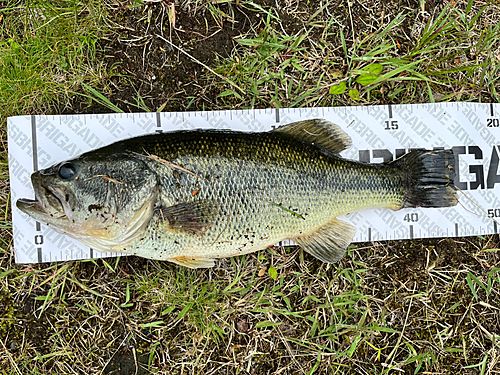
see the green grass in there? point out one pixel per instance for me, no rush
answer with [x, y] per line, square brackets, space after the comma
[47, 50]
[413, 307]
[452, 55]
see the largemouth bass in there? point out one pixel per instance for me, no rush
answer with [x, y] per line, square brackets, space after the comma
[191, 197]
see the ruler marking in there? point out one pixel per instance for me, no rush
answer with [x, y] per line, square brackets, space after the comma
[158, 123]
[449, 231]
[158, 119]
[34, 143]
[34, 146]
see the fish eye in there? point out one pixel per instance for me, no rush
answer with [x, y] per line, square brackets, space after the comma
[67, 171]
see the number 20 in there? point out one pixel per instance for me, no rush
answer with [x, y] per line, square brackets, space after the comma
[493, 123]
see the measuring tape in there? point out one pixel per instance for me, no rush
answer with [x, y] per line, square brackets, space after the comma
[379, 134]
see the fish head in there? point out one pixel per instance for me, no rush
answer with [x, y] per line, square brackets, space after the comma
[103, 200]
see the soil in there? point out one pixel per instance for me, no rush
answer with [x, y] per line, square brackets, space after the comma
[144, 48]
[160, 73]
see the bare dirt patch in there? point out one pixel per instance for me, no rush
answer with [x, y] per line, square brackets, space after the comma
[146, 44]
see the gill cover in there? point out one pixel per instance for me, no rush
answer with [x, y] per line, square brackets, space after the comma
[103, 199]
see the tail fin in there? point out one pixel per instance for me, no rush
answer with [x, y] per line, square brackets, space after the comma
[428, 177]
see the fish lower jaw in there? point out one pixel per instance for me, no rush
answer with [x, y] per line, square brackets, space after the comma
[39, 211]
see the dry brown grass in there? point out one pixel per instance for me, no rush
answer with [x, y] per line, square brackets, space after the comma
[423, 306]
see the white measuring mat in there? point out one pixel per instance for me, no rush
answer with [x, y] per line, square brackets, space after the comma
[379, 133]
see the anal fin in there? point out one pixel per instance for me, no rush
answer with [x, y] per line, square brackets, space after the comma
[193, 262]
[329, 242]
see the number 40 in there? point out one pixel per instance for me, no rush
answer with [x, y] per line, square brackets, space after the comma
[411, 217]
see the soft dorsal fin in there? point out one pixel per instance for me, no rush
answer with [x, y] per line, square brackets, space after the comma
[318, 132]
[329, 242]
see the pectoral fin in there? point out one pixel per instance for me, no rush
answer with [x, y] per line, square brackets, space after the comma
[193, 262]
[190, 217]
[329, 242]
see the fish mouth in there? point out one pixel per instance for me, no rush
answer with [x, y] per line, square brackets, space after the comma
[49, 202]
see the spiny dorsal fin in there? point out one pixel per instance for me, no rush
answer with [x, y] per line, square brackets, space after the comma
[193, 262]
[329, 242]
[318, 132]
[190, 217]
